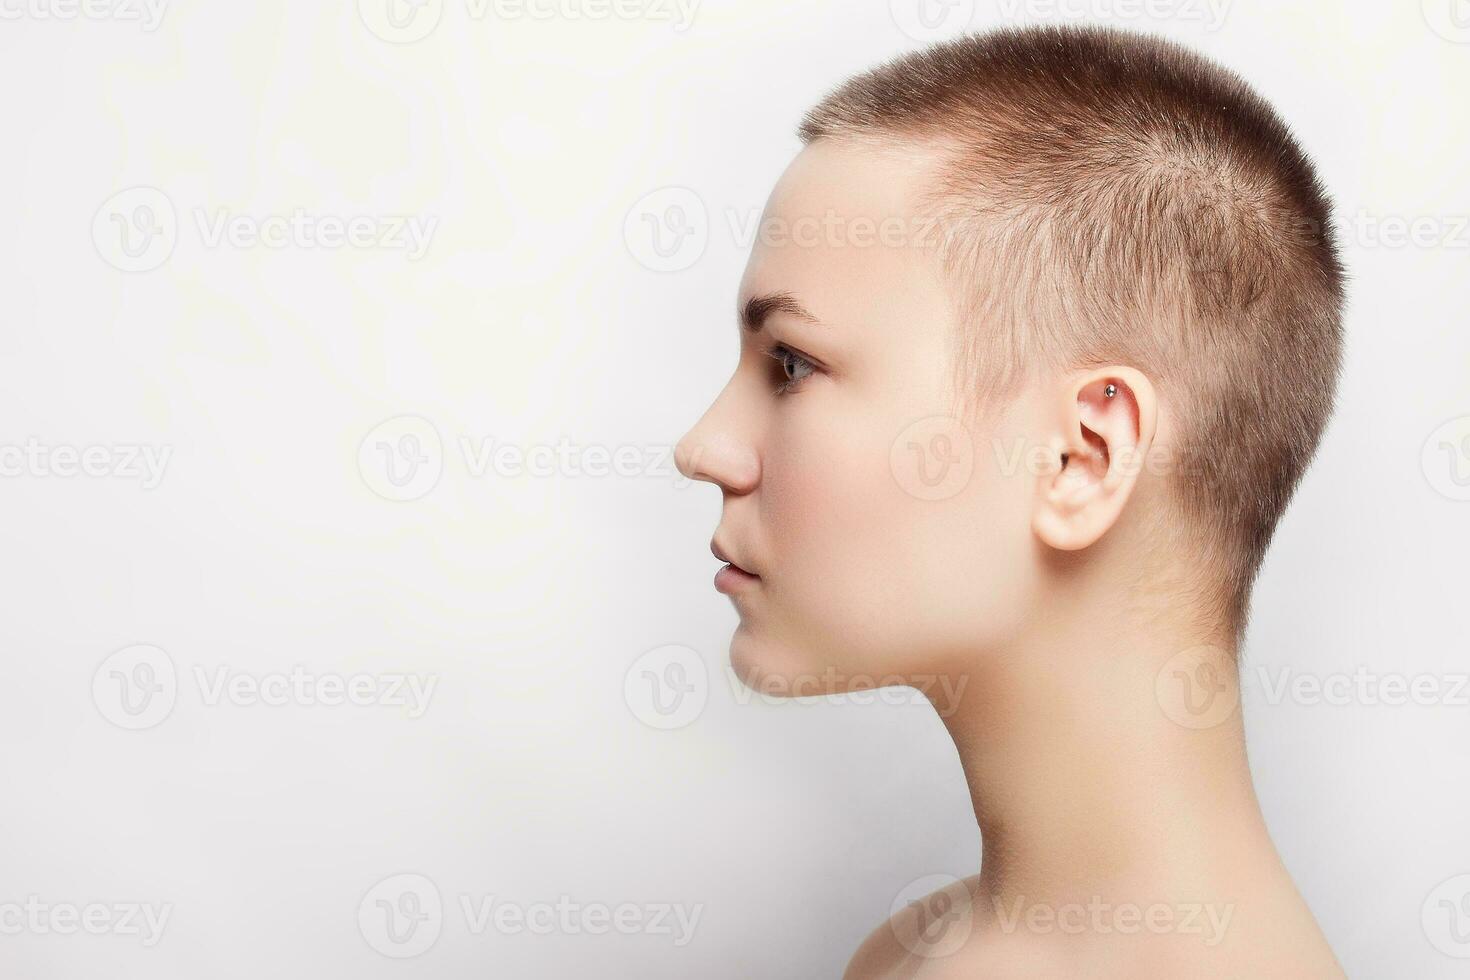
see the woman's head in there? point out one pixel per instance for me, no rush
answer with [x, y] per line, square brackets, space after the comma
[970, 337]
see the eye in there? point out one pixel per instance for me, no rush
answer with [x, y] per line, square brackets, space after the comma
[795, 368]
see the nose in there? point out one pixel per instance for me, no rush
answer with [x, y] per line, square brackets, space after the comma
[718, 451]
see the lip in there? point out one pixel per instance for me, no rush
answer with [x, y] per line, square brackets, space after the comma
[731, 577]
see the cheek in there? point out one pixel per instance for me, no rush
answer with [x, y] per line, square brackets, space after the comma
[817, 484]
[839, 529]
[868, 576]
[973, 564]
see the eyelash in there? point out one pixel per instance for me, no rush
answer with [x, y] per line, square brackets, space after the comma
[780, 352]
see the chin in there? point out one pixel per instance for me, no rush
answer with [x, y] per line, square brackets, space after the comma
[747, 659]
[779, 670]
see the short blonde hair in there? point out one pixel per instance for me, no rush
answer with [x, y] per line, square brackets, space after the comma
[1110, 197]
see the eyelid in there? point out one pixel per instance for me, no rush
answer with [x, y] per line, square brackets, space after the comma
[778, 351]
[777, 347]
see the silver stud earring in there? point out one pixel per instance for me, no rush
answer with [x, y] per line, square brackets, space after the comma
[1110, 391]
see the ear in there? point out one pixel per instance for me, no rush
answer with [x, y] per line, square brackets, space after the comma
[1100, 441]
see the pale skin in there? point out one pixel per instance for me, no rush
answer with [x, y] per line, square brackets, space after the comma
[1120, 830]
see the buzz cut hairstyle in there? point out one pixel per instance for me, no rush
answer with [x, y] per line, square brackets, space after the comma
[1106, 197]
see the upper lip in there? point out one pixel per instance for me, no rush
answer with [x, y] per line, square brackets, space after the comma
[719, 552]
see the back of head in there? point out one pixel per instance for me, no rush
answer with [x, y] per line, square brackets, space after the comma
[1107, 197]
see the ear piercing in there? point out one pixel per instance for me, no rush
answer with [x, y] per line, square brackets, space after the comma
[1110, 391]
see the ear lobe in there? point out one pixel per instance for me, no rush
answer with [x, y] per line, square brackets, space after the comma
[1107, 421]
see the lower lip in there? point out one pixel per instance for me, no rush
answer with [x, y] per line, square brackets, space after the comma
[731, 579]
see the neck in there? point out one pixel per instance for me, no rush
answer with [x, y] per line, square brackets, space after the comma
[1087, 777]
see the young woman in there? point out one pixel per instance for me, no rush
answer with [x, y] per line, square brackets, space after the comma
[1040, 332]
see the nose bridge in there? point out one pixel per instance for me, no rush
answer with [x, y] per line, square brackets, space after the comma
[721, 447]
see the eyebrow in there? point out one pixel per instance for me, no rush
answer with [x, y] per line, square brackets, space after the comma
[757, 309]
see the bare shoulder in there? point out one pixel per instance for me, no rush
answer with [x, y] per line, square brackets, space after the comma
[878, 957]
[948, 934]
[929, 937]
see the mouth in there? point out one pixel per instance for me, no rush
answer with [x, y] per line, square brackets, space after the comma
[731, 578]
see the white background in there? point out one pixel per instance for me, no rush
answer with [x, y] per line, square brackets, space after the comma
[541, 311]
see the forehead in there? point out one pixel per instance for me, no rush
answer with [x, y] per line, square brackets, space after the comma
[844, 233]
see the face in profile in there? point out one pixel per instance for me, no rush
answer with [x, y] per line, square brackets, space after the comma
[881, 539]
